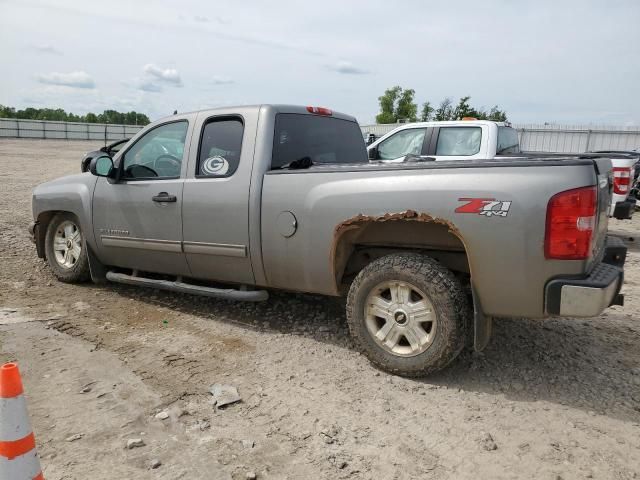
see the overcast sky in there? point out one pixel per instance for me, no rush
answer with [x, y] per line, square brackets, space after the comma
[553, 61]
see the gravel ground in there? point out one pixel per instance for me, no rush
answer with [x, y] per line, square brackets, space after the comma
[555, 399]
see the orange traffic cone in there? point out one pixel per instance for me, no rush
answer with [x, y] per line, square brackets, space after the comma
[18, 456]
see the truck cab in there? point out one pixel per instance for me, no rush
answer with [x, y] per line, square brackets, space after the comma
[451, 140]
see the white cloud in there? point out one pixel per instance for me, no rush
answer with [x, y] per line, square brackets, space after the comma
[217, 80]
[324, 56]
[168, 75]
[148, 86]
[203, 19]
[347, 68]
[71, 79]
[46, 49]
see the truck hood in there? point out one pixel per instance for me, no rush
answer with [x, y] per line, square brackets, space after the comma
[70, 181]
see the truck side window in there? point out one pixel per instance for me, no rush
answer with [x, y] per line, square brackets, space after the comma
[508, 142]
[459, 141]
[157, 154]
[403, 143]
[220, 145]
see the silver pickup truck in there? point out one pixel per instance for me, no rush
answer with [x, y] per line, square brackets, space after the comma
[231, 202]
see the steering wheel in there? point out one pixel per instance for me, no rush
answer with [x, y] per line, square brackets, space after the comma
[170, 162]
[140, 171]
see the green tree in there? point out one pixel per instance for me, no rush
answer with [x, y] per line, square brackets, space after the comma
[406, 108]
[464, 109]
[444, 111]
[397, 104]
[58, 114]
[142, 119]
[388, 105]
[130, 118]
[427, 112]
[497, 115]
[7, 112]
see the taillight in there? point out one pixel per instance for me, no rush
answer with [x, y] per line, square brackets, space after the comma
[320, 111]
[621, 180]
[571, 219]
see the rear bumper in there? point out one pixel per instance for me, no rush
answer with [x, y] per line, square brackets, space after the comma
[590, 295]
[624, 210]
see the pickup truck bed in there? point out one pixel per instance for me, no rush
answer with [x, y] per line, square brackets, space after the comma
[348, 195]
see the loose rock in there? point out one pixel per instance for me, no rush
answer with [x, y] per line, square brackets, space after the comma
[135, 442]
[486, 442]
[224, 394]
[75, 437]
[248, 443]
[155, 463]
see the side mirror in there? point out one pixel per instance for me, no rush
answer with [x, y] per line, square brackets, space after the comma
[373, 153]
[101, 166]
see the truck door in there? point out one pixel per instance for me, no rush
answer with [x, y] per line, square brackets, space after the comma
[216, 198]
[138, 220]
[409, 141]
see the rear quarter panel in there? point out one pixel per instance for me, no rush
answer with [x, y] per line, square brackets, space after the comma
[506, 254]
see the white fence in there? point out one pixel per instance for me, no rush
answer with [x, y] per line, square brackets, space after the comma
[533, 138]
[558, 138]
[16, 128]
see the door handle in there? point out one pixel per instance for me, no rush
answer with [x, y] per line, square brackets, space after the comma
[164, 197]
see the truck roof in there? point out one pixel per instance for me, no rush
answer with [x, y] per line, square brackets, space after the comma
[450, 123]
[276, 108]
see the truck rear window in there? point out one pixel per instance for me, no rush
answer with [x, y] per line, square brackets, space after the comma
[321, 139]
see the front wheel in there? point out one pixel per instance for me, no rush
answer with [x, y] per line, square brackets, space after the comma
[406, 314]
[66, 250]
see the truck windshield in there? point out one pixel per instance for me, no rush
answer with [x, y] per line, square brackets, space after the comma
[507, 141]
[321, 139]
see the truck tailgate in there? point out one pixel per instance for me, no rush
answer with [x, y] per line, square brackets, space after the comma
[605, 190]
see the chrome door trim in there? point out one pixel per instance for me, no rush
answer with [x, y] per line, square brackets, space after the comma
[173, 246]
[222, 249]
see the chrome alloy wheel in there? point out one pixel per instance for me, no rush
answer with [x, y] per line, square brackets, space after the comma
[67, 244]
[400, 318]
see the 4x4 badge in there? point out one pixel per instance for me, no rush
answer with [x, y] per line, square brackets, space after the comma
[484, 206]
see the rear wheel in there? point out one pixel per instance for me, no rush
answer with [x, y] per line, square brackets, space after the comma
[406, 313]
[66, 250]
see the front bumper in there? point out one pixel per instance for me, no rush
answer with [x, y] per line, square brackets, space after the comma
[624, 210]
[589, 296]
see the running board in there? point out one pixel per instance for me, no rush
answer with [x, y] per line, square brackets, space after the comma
[178, 286]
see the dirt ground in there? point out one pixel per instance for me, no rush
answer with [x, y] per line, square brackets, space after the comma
[555, 399]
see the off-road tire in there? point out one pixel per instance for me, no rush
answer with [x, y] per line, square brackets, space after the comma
[442, 289]
[79, 272]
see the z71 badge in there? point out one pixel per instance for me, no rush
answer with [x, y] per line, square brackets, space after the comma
[484, 206]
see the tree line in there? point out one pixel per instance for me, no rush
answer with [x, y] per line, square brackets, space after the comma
[397, 104]
[58, 114]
